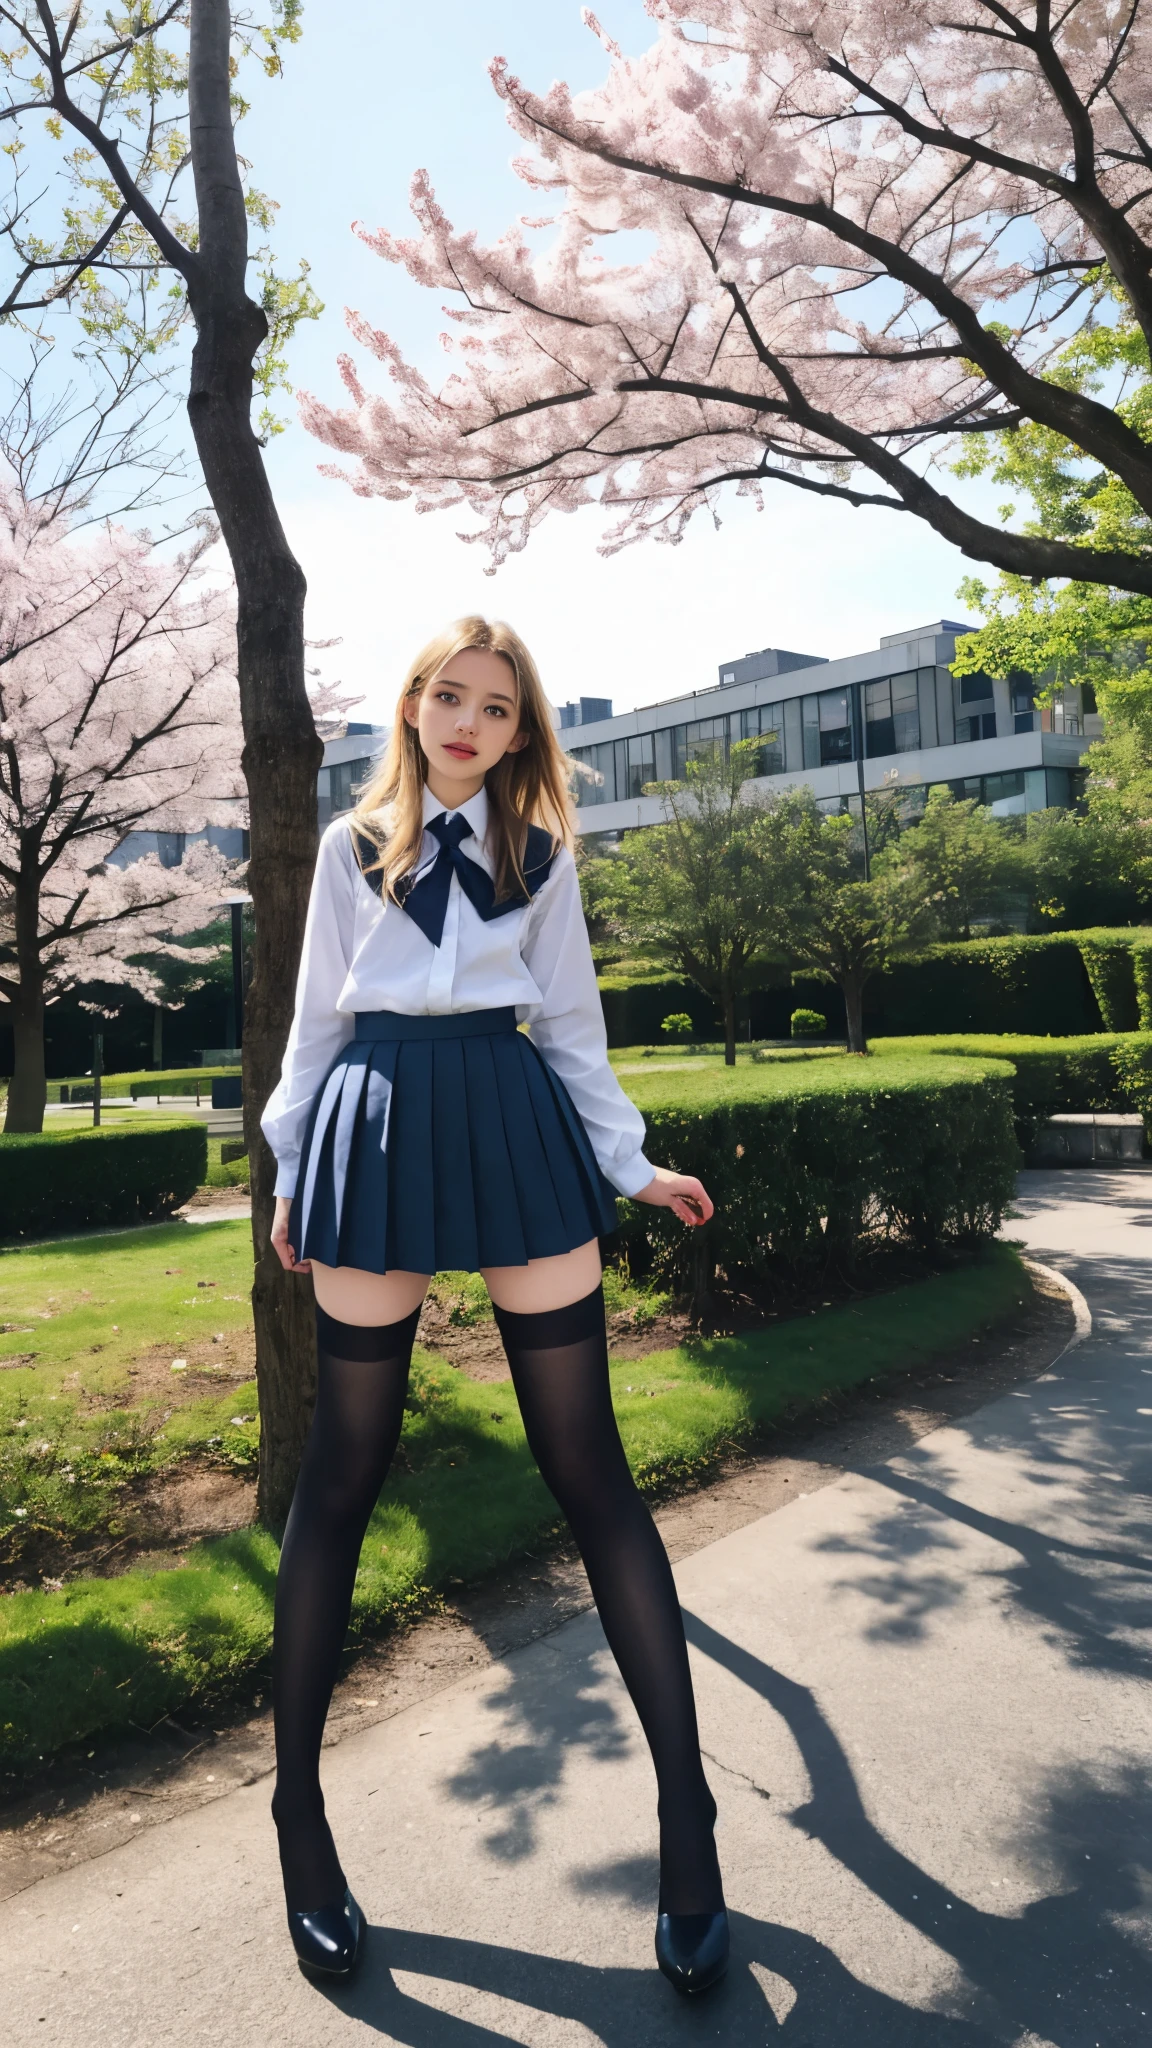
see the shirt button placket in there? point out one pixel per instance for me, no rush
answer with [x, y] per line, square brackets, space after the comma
[442, 973]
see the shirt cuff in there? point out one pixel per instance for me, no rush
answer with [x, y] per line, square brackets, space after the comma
[634, 1176]
[286, 1178]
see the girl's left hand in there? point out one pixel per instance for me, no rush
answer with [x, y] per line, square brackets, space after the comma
[681, 1192]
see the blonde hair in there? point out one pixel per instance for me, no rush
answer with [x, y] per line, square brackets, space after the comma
[528, 787]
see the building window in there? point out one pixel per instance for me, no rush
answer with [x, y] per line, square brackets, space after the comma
[641, 763]
[170, 848]
[706, 736]
[604, 762]
[835, 727]
[1022, 698]
[765, 722]
[1066, 712]
[1005, 794]
[981, 726]
[345, 781]
[892, 715]
[974, 689]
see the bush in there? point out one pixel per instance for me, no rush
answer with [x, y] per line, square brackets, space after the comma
[813, 1163]
[808, 1024]
[1051, 1075]
[59, 1180]
[678, 1025]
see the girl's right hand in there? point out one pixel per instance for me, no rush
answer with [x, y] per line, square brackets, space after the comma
[280, 1245]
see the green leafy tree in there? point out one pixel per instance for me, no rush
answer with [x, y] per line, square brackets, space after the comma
[846, 930]
[712, 892]
[1093, 869]
[959, 857]
[1088, 635]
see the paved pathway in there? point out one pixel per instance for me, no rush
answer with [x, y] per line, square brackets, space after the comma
[925, 1694]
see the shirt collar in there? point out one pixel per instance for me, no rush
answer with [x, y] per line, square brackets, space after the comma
[475, 810]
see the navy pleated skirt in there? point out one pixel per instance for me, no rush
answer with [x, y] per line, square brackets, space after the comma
[444, 1144]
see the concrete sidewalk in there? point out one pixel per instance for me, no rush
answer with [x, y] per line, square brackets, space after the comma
[924, 1692]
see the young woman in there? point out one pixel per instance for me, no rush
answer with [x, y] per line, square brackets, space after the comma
[417, 1130]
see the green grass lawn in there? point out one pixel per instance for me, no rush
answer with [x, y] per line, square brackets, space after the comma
[637, 1058]
[91, 1396]
[709, 1082]
[100, 1654]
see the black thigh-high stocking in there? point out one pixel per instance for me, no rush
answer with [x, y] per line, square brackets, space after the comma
[361, 1383]
[559, 1362]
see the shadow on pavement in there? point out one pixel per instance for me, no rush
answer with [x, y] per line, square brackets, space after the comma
[1065, 1973]
[782, 1986]
[1064, 1970]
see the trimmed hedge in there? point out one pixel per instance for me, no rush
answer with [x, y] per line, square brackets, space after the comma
[1108, 958]
[812, 1164]
[181, 1081]
[635, 1009]
[1051, 1075]
[142, 1081]
[1067, 983]
[60, 1180]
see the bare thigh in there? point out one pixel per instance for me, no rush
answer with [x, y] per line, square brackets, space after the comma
[369, 1299]
[545, 1283]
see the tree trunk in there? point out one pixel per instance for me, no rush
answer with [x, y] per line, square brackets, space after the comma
[157, 1035]
[853, 992]
[282, 751]
[728, 1006]
[28, 1089]
[702, 1305]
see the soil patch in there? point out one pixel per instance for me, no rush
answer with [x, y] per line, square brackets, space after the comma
[86, 1805]
[217, 1198]
[475, 1348]
[196, 1500]
[222, 1358]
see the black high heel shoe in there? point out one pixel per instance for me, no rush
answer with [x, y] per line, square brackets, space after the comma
[692, 1949]
[328, 1943]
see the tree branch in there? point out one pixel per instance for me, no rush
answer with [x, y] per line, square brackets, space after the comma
[1093, 427]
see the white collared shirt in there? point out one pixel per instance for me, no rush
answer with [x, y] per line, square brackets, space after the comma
[363, 954]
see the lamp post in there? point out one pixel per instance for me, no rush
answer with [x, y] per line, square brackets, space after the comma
[235, 904]
[858, 696]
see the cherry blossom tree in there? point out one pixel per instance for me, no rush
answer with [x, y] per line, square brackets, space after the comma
[140, 105]
[852, 233]
[118, 713]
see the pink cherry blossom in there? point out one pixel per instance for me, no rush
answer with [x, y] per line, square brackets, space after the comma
[791, 244]
[119, 713]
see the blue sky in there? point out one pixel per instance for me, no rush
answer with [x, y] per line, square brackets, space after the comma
[372, 92]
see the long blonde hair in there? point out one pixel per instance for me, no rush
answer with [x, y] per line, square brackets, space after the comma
[529, 787]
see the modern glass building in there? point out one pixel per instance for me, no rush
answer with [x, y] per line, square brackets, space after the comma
[894, 718]
[348, 764]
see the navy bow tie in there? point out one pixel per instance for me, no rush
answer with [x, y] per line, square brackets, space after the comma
[425, 899]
